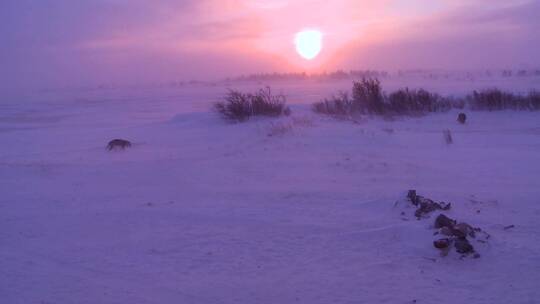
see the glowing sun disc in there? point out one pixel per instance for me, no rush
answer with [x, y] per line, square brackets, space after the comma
[308, 44]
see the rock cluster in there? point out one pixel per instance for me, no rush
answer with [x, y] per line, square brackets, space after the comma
[455, 234]
[425, 205]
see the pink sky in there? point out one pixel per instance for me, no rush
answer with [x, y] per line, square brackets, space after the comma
[67, 42]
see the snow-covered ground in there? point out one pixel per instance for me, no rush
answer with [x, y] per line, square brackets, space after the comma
[201, 211]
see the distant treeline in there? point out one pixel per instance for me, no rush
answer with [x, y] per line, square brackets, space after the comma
[336, 75]
[359, 74]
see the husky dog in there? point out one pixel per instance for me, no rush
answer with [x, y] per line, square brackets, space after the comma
[118, 143]
[462, 118]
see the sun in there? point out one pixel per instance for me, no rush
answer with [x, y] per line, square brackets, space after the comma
[308, 43]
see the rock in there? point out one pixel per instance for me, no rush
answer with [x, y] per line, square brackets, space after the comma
[446, 231]
[462, 118]
[463, 246]
[118, 143]
[509, 227]
[411, 195]
[428, 206]
[463, 230]
[445, 206]
[425, 205]
[444, 221]
[458, 233]
[442, 243]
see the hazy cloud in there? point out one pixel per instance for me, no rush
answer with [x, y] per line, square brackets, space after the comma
[61, 42]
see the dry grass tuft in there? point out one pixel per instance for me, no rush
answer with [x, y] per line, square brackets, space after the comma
[239, 106]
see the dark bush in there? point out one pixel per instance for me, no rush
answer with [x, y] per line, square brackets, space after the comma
[491, 100]
[497, 100]
[534, 100]
[240, 106]
[264, 103]
[336, 105]
[368, 97]
[237, 106]
[416, 102]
